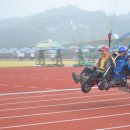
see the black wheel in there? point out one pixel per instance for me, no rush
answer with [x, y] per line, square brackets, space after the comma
[85, 88]
[101, 86]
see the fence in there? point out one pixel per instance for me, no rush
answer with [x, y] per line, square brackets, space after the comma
[60, 57]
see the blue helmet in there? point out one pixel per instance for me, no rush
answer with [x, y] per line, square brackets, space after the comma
[122, 49]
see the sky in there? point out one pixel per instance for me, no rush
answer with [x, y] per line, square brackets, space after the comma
[21, 8]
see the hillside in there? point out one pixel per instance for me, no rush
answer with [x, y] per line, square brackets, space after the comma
[59, 24]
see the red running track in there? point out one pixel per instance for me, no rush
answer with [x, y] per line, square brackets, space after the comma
[36, 78]
[59, 110]
[67, 110]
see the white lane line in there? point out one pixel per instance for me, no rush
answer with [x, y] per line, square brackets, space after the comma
[59, 99]
[37, 92]
[52, 95]
[60, 112]
[65, 121]
[66, 104]
[48, 95]
[3, 85]
[112, 128]
[47, 91]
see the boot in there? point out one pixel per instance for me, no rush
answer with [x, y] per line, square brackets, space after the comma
[76, 77]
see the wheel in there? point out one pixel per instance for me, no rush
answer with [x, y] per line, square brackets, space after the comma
[85, 88]
[101, 86]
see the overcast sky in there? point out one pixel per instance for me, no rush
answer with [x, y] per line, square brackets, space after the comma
[20, 8]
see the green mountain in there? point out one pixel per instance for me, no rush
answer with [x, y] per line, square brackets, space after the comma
[61, 24]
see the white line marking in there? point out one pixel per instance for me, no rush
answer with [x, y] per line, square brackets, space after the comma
[59, 99]
[40, 96]
[64, 121]
[45, 91]
[14, 109]
[112, 128]
[69, 111]
[36, 92]
[3, 85]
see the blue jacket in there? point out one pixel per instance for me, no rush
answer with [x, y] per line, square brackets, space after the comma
[128, 63]
[127, 68]
[120, 65]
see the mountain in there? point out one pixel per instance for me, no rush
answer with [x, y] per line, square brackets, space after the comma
[61, 24]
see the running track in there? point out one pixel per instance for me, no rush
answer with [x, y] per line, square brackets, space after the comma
[35, 79]
[58, 107]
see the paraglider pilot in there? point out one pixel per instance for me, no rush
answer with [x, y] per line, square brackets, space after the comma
[96, 72]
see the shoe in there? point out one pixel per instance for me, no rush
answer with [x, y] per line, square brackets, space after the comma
[76, 77]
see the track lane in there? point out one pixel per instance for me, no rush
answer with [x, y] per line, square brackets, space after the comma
[64, 106]
[56, 118]
[56, 99]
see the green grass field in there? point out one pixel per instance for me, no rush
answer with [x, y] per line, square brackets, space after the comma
[28, 63]
[16, 63]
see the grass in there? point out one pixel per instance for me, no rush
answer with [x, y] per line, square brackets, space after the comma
[14, 63]
[27, 63]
